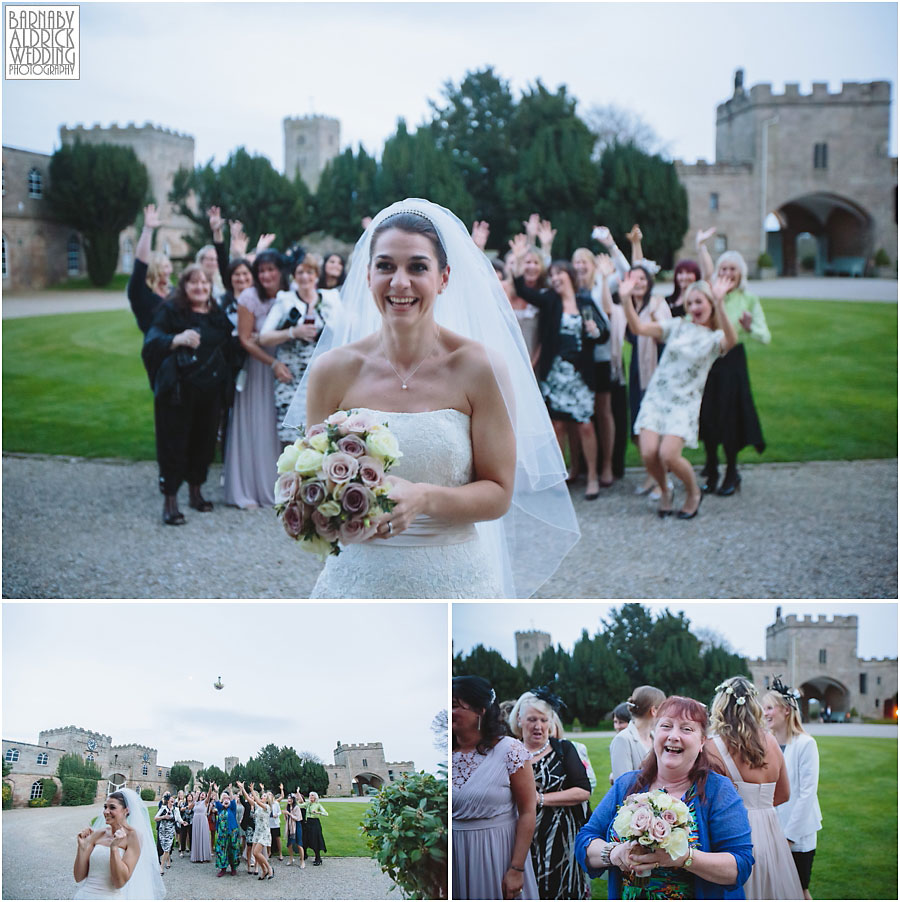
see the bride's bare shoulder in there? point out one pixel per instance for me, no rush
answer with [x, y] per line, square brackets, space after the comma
[347, 359]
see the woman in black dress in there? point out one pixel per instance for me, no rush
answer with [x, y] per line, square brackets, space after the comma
[187, 353]
[568, 331]
[149, 285]
[562, 788]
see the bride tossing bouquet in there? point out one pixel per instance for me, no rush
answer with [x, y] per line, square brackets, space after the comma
[331, 489]
[655, 820]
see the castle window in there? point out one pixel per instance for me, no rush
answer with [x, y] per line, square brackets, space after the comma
[878, 681]
[301, 140]
[876, 702]
[42, 758]
[713, 200]
[720, 244]
[167, 775]
[3, 180]
[144, 771]
[37, 790]
[35, 188]
[127, 255]
[159, 773]
[90, 757]
[863, 683]
[73, 255]
[822, 656]
[365, 763]
[12, 754]
[820, 156]
[5, 270]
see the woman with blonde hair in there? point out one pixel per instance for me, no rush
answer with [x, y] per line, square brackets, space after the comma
[149, 284]
[800, 815]
[751, 757]
[630, 746]
[262, 837]
[562, 788]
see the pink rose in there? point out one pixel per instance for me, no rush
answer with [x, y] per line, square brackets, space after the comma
[336, 418]
[357, 422]
[371, 471]
[286, 487]
[313, 492]
[323, 526]
[292, 518]
[352, 445]
[659, 829]
[340, 467]
[316, 430]
[641, 820]
[670, 817]
[356, 499]
[355, 530]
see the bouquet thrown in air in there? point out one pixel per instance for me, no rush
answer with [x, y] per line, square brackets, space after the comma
[656, 820]
[331, 488]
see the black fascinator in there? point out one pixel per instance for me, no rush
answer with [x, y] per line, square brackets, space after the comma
[545, 695]
[791, 696]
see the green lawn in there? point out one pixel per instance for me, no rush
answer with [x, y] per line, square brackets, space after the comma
[341, 827]
[858, 798]
[826, 387]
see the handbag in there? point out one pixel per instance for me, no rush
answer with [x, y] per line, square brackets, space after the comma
[202, 375]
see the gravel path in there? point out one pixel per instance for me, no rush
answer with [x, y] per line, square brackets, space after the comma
[76, 528]
[49, 876]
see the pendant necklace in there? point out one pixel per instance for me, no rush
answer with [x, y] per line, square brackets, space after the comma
[404, 381]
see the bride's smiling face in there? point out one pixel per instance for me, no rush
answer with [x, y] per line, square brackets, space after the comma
[405, 276]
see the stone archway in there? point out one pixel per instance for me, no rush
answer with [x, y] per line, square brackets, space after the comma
[829, 692]
[366, 779]
[839, 226]
[115, 782]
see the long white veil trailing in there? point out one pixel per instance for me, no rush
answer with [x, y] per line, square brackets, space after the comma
[539, 529]
[145, 881]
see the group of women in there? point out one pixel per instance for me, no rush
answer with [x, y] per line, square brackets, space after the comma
[687, 376]
[204, 824]
[745, 769]
[224, 351]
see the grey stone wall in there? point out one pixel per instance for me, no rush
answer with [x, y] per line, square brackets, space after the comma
[530, 645]
[309, 143]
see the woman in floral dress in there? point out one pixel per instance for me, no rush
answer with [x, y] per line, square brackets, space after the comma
[670, 411]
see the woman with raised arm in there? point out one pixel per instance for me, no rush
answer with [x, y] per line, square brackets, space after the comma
[719, 855]
[728, 416]
[671, 407]
[313, 837]
[228, 833]
[253, 445]
[800, 815]
[753, 760]
[201, 847]
[568, 332]
[494, 799]
[149, 284]
[116, 859]
[429, 346]
[262, 836]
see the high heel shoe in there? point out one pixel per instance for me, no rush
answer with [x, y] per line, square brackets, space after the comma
[710, 483]
[173, 518]
[668, 499]
[684, 515]
[730, 485]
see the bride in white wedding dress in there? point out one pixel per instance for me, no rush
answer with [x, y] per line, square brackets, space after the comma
[429, 345]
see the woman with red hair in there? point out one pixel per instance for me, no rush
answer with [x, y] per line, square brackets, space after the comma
[719, 858]
[686, 273]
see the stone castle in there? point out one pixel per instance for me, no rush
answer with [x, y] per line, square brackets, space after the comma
[803, 177]
[357, 769]
[530, 646]
[39, 251]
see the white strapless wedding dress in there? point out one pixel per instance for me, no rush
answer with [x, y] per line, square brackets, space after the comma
[98, 883]
[431, 559]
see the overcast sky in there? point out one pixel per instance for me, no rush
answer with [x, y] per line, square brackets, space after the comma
[302, 675]
[742, 624]
[228, 73]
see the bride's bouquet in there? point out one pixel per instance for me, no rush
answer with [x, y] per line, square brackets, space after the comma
[656, 820]
[331, 488]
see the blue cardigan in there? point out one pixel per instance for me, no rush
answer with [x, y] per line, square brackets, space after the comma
[722, 826]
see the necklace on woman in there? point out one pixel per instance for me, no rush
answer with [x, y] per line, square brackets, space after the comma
[404, 381]
[541, 750]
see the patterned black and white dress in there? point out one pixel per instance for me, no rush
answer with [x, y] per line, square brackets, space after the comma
[553, 847]
[565, 391]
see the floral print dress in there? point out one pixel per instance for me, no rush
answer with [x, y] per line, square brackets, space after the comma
[671, 404]
[566, 393]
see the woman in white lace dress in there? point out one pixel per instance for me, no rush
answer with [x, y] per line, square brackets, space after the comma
[670, 411]
[477, 445]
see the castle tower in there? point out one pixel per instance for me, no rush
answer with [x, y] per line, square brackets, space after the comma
[231, 764]
[309, 143]
[530, 646]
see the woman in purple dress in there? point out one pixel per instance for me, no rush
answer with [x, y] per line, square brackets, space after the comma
[201, 848]
[253, 448]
